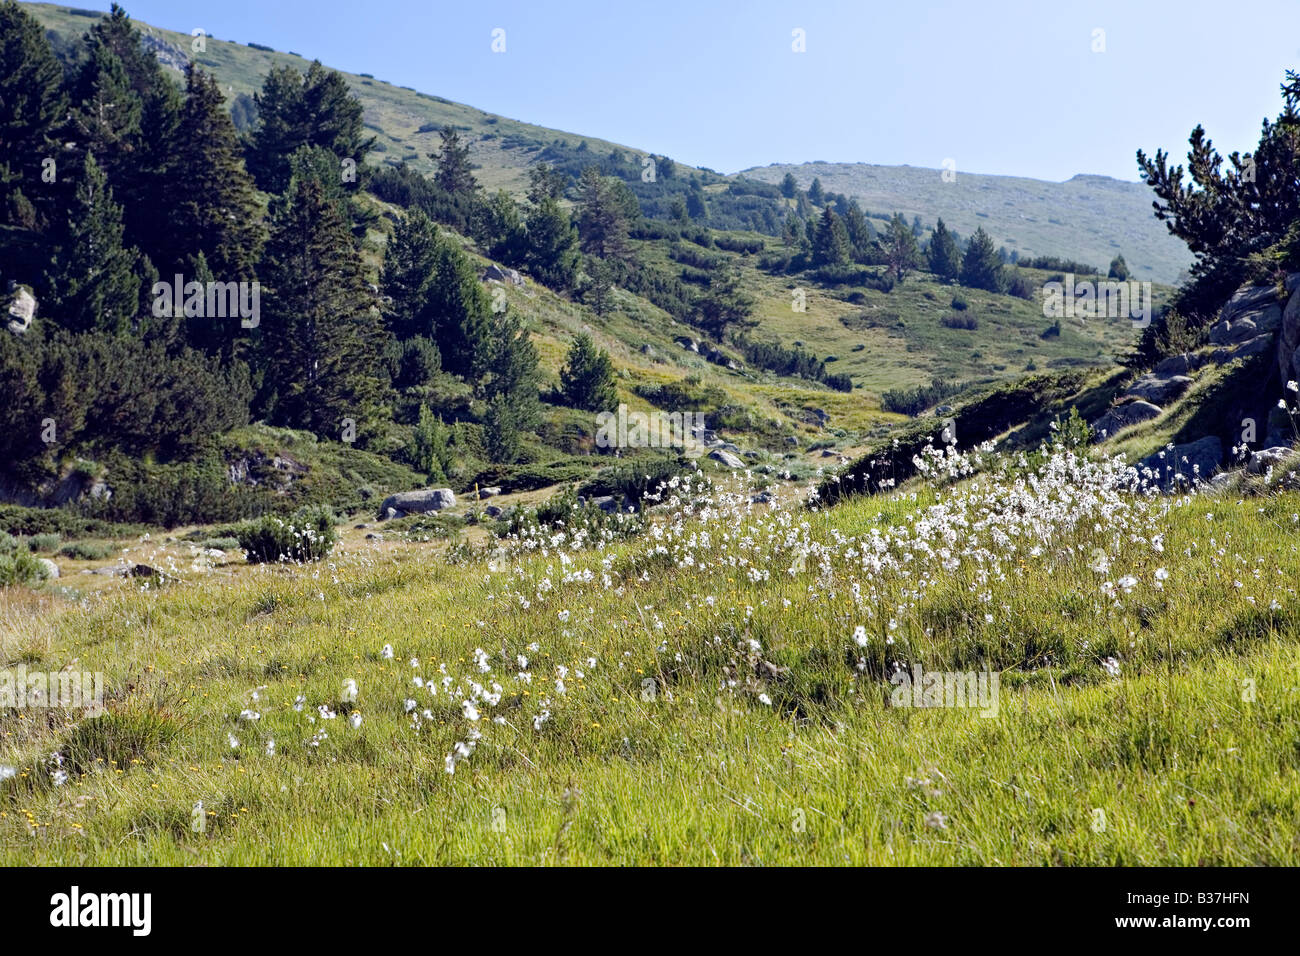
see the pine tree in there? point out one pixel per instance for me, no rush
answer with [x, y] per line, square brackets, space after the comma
[455, 172]
[724, 305]
[513, 405]
[587, 379]
[545, 182]
[980, 266]
[859, 231]
[503, 230]
[314, 108]
[321, 325]
[92, 284]
[140, 183]
[460, 312]
[605, 211]
[816, 195]
[106, 117]
[598, 292]
[944, 259]
[552, 245]
[31, 105]
[788, 186]
[831, 241]
[1118, 269]
[901, 253]
[211, 207]
[408, 270]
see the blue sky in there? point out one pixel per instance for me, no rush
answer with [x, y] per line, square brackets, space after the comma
[999, 87]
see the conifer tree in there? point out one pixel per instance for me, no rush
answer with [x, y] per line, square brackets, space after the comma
[31, 106]
[513, 406]
[408, 270]
[831, 241]
[901, 253]
[981, 268]
[92, 285]
[460, 312]
[211, 207]
[552, 245]
[321, 325]
[943, 258]
[587, 379]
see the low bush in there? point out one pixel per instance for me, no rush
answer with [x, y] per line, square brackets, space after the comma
[306, 536]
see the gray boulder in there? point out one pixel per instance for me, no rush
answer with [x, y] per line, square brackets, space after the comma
[491, 492]
[726, 458]
[51, 569]
[1157, 389]
[21, 309]
[1177, 364]
[1185, 464]
[1288, 339]
[1261, 461]
[418, 502]
[1125, 416]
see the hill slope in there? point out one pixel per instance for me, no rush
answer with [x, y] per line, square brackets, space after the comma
[1087, 218]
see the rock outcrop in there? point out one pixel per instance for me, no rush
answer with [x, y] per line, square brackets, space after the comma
[417, 502]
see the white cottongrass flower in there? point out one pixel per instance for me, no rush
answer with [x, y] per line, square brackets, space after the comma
[325, 712]
[7, 772]
[1111, 666]
[270, 747]
[409, 705]
[249, 715]
[469, 710]
[299, 702]
[1161, 577]
[354, 719]
[860, 636]
[233, 741]
[765, 700]
[387, 652]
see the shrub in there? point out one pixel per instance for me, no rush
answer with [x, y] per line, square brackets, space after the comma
[306, 536]
[963, 321]
[959, 303]
[220, 544]
[47, 542]
[20, 568]
[87, 550]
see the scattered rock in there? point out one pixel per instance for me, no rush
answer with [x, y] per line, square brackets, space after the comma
[726, 458]
[143, 571]
[361, 527]
[1184, 464]
[491, 492]
[941, 410]
[828, 453]
[419, 502]
[792, 441]
[1178, 364]
[1261, 461]
[762, 498]
[1158, 390]
[688, 344]
[492, 511]
[51, 569]
[494, 273]
[374, 537]
[21, 308]
[1124, 416]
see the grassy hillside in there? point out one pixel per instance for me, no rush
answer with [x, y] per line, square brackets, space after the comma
[1089, 219]
[592, 709]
